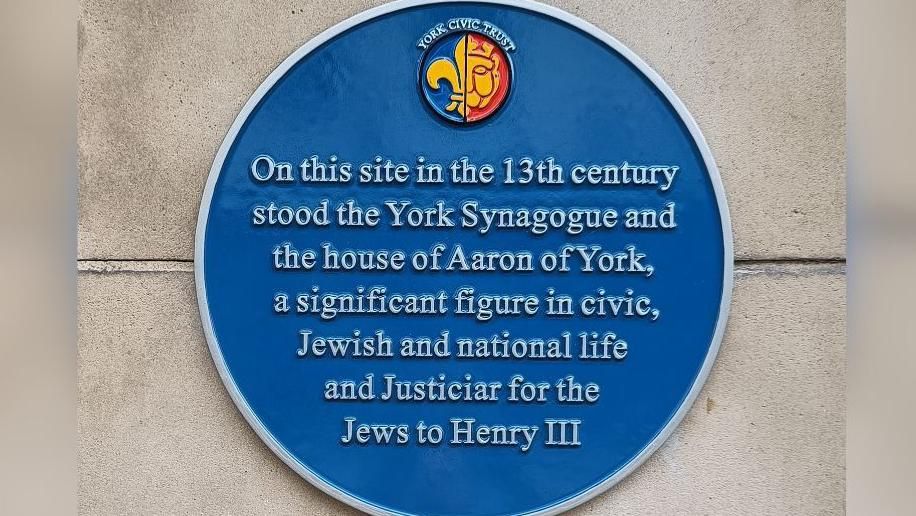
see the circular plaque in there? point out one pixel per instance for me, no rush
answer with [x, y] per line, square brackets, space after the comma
[463, 258]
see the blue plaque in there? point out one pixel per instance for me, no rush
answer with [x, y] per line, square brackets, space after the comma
[463, 258]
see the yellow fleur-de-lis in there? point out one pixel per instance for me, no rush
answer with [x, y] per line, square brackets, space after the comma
[453, 73]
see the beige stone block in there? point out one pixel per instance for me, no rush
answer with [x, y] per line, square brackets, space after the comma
[161, 82]
[158, 433]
